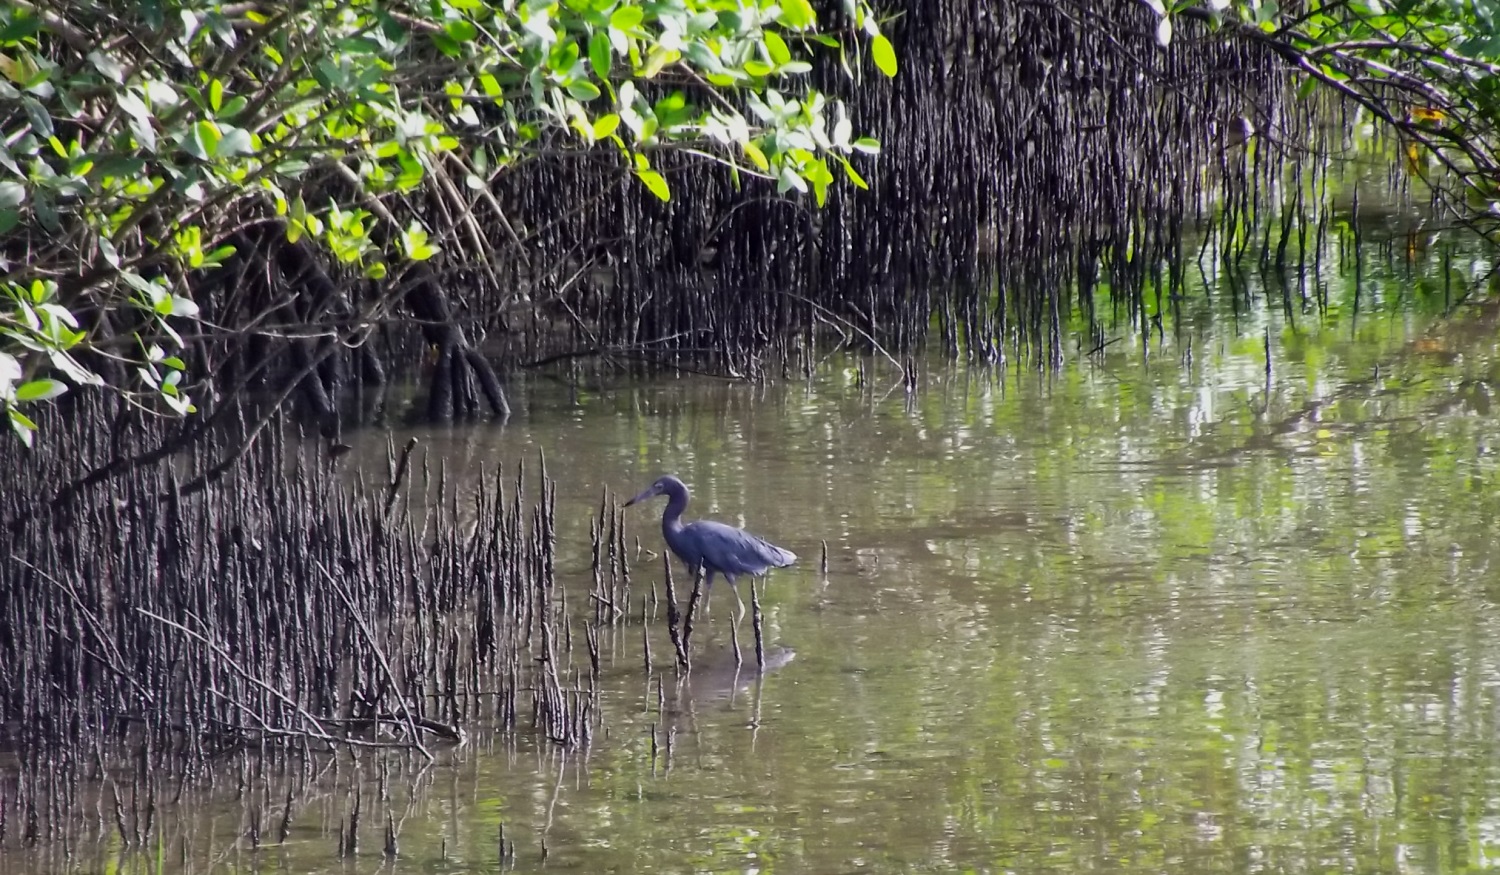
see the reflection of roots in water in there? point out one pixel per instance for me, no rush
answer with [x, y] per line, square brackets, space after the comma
[720, 678]
[716, 680]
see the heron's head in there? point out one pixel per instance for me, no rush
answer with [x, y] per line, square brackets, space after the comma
[663, 486]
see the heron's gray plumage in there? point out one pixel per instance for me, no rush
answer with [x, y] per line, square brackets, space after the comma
[714, 547]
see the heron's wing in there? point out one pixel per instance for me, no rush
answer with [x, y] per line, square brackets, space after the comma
[736, 550]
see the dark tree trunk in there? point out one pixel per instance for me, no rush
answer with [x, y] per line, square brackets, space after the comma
[460, 367]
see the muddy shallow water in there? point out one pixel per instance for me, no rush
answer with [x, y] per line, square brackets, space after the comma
[1150, 613]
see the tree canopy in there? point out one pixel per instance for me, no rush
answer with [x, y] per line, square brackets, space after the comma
[143, 143]
[141, 137]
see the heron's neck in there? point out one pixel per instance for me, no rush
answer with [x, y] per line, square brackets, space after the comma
[671, 519]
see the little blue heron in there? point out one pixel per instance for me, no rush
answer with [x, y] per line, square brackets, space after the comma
[714, 547]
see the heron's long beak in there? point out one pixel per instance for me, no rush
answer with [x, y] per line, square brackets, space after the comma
[642, 497]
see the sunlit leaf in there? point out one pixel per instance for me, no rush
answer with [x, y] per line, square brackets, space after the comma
[854, 177]
[798, 14]
[780, 54]
[605, 125]
[884, 55]
[626, 17]
[599, 54]
[24, 428]
[656, 183]
[756, 156]
[206, 139]
[658, 59]
[40, 390]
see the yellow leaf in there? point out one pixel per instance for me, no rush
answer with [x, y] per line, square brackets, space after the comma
[605, 125]
[658, 59]
[756, 156]
[884, 55]
[656, 182]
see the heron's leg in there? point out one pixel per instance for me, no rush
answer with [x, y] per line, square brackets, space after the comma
[737, 600]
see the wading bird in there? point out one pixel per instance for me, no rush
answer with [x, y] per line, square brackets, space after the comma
[714, 547]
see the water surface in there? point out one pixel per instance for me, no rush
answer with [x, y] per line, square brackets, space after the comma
[1150, 613]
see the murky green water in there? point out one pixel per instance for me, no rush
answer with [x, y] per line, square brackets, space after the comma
[1144, 615]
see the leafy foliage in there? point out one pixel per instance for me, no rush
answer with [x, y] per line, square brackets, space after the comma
[129, 160]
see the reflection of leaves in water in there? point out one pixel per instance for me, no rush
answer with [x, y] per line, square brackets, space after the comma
[1137, 616]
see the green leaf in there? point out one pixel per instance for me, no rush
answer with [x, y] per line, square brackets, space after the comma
[658, 59]
[797, 14]
[12, 194]
[24, 427]
[41, 120]
[40, 390]
[605, 125]
[884, 55]
[235, 141]
[599, 54]
[854, 177]
[446, 44]
[656, 182]
[19, 28]
[780, 54]
[583, 90]
[414, 243]
[219, 254]
[627, 17]
[206, 140]
[461, 30]
[703, 57]
[756, 156]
